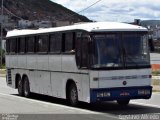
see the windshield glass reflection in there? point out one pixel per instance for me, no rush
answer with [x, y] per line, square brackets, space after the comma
[120, 50]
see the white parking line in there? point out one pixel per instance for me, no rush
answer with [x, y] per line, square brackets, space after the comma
[156, 93]
[57, 105]
[145, 104]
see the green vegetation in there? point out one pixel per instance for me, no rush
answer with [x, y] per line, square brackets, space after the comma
[2, 66]
[3, 59]
[155, 82]
[156, 72]
[156, 90]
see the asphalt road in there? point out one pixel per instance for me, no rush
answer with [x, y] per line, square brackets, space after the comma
[155, 58]
[40, 107]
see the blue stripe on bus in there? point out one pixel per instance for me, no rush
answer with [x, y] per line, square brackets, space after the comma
[117, 93]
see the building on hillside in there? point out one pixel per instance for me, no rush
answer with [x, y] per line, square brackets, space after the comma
[23, 24]
[42, 24]
[61, 23]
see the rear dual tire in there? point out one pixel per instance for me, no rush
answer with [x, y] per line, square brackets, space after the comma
[20, 87]
[24, 87]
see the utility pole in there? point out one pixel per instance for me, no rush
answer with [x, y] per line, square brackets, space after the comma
[1, 30]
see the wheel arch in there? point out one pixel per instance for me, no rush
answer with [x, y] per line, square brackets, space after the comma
[68, 83]
[23, 76]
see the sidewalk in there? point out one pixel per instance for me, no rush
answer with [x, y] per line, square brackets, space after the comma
[2, 72]
[156, 88]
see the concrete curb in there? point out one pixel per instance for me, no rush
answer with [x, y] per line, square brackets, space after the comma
[156, 77]
[2, 75]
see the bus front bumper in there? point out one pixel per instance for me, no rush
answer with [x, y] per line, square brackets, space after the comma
[124, 93]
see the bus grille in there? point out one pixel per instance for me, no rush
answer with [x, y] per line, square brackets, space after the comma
[9, 77]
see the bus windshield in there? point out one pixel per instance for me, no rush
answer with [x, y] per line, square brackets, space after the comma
[120, 50]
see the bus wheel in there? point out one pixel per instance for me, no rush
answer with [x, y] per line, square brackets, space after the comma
[73, 95]
[20, 87]
[26, 87]
[123, 102]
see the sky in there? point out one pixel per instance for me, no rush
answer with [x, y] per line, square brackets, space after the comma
[115, 10]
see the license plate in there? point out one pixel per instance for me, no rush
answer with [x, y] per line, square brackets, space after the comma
[124, 94]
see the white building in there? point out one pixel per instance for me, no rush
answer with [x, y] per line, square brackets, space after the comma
[25, 23]
[42, 24]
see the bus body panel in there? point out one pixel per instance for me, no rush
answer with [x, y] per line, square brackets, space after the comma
[31, 62]
[115, 78]
[55, 63]
[132, 77]
[48, 77]
[22, 61]
[42, 62]
[120, 84]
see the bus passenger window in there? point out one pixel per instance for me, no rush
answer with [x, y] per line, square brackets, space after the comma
[31, 44]
[84, 53]
[8, 45]
[69, 42]
[13, 45]
[78, 51]
[22, 43]
[55, 43]
[43, 41]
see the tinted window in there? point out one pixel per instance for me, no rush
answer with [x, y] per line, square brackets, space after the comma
[55, 43]
[13, 45]
[8, 45]
[43, 43]
[22, 46]
[68, 42]
[84, 59]
[31, 44]
[78, 51]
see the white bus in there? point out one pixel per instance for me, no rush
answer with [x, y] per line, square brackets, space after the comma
[89, 62]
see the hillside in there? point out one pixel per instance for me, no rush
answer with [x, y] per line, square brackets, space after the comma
[152, 23]
[42, 10]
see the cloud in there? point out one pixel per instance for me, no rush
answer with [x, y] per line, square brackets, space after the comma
[115, 10]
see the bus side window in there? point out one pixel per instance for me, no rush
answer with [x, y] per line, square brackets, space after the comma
[55, 43]
[8, 46]
[78, 51]
[84, 52]
[43, 41]
[31, 44]
[13, 45]
[69, 42]
[22, 46]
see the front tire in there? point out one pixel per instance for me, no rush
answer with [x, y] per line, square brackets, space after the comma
[73, 95]
[26, 87]
[123, 102]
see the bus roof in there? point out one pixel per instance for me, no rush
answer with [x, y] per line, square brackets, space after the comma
[89, 27]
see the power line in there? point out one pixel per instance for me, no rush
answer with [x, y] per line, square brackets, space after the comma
[89, 6]
[12, 13]
[79, 11]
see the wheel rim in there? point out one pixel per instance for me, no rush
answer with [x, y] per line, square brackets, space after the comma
[73, 95]
[20, 86]
[26, 88]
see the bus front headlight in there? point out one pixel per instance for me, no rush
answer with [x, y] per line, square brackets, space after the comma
[144, 92]
[100, 94]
